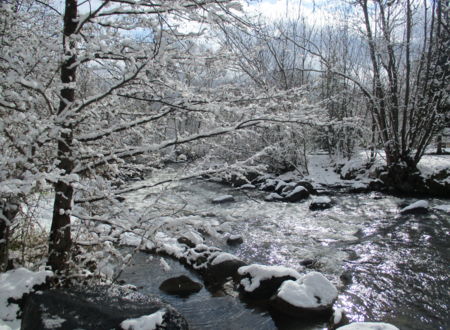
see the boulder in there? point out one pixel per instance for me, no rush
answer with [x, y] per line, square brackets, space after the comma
[321, 203]
[297, 194]
[220, 271]
[269, 185]
[419, 207]
[181, 286]
[261, 282]
[368, 326]
[307, 185]
[310, 294]
[235, 240]
[97, 308]
[273, 197]
[223, 199]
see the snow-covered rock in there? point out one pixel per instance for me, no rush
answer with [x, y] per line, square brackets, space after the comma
[311, 292]
[297, 194]
[235, 240]
[368, 326]
[320, 203]
[273, 197]
[262, 282]
[191, 238]
[146, 322]
[223, 257]
[443, 207]
[247, 186]
[415, 208]
[223, 199]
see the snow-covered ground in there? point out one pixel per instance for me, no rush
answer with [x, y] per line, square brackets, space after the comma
[14, 284]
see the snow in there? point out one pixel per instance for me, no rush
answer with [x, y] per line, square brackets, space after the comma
[321, 200]
[416, 205]
[222, 257]
[273, 197]
[259, 273]
[310, 291]
[247, 186]
[130, 239]
[431, 164]
[193, 237]
[368, 326]
[14, 284]
[146, 322]
[165, 266]
[223, 199]
[443, 207]
[295, 191]
[337, 315]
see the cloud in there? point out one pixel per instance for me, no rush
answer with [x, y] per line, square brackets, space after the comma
[315, 12]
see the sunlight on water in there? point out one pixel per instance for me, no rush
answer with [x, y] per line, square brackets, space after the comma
[398, 265]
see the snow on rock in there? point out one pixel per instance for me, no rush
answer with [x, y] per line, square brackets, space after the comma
[247, 186]
[273, 197]
[222, 257]
[419, 206]
[234, 239]
[297, 194]
[193, 237]
[320, 203]
[368, 326]
[258, 273]
[443, 207]
[14, 284]
[312, 290]
[223, 199]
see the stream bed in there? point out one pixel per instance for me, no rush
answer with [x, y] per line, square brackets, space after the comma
[388, 267]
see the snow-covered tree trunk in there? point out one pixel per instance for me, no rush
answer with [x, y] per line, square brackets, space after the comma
[60, 238]
[8, 211]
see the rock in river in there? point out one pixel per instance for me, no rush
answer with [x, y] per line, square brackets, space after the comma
[310, 294]
[262, 282]
[419, 207]
[181, 286]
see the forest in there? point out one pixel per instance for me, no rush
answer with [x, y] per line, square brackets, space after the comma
[180, 129]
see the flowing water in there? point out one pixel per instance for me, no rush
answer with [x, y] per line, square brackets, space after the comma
[394, 268]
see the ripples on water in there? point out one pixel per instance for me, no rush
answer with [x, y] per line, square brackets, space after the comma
[399, 264]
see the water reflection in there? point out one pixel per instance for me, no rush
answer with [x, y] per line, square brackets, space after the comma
[398, 265]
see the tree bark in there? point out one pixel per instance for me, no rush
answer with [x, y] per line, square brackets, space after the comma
[8, 211]
[60, 237]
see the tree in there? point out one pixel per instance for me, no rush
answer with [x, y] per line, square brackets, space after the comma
[60, 131]
[410, 73]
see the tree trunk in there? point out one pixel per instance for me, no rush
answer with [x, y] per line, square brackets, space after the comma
[8, 211]
[439, 149]
[60, 239]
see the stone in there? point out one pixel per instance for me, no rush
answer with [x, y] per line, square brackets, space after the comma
[181, 286]
[311, 294]
[297, 194]
[273, 197]
[218, 274]
[235, 240]
[223, 199]
[321, 203]
[261, 282]
[419, 207]
[93, 308]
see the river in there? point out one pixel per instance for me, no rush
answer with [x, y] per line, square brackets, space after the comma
[395, 268]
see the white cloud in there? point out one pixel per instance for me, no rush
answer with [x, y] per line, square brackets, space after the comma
[315, 12]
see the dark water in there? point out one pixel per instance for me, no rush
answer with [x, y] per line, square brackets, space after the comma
[398, 265]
